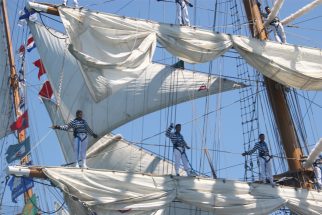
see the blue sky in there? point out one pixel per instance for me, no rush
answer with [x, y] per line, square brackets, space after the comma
[222, 130]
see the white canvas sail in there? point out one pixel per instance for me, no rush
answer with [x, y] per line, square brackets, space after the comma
[65, 138]
[301, 69]
[291, 65]
[114, 50]
[152, 91]
[107, 153]
[6, 107]
[106, 192]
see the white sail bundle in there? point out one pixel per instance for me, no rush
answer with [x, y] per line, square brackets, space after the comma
[6, 104]
[301, 69]
[291, 65]
[114, 50]
[107, 192]
[110, 58]
[152, 91]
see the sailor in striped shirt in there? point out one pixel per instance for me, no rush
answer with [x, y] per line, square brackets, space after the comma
[276, 26]
[179, 146]
[80, 130]
[264, 158]
[182, 12]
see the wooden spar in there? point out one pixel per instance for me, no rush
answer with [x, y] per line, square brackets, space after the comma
[44, 7]
[276, 94]
[14, 83]
[33, 172]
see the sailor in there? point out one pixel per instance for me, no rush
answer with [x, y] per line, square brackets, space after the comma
[182, 12]
[317, 171]
[179, 146]
[80, 131]
[264, 158]
[75, 3]
[276, 26]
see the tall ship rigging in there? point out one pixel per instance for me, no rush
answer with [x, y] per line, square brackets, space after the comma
[123, 177]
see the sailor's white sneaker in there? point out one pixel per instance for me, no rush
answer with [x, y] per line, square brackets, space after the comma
[84, 164]
[77, 165]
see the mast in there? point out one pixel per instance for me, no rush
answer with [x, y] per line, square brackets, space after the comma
[14, 84]
[277, 97]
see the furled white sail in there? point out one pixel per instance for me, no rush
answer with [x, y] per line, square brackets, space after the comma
[109, 58]
[6, 107]
[301, 11]
[114, 50]
[107, 192]
[301, 69]
[152, 91]
[291, 65]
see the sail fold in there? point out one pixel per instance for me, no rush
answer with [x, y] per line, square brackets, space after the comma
[110, 53]
[301, 69]
[107, 192]
[291, 65]
[114, 50]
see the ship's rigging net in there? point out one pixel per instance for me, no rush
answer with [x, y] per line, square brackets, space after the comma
[69, 138]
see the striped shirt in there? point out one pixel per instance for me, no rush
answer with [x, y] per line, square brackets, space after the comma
[176, 138]
[274, 22]
[261, 148]
[78, 126]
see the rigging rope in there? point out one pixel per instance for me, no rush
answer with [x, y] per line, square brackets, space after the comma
[249, 114]
[210, 112]
[41, 210]
[124, 6]
[49, 29]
